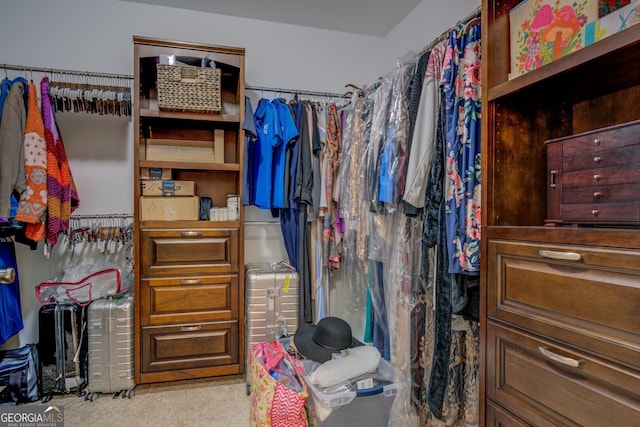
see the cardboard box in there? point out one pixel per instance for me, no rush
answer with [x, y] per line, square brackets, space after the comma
[169, 208]
[157, 187]
[186, 150]
[612, 23]
[155, 173]
[542, 31]
[180, 150]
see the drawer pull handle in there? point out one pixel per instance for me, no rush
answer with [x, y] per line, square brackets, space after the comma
[553, 179]
[560, 359]
[190, 281]
[191, 328]
[594, 212]
[596, 177]
[597, 194]
[565, 256]
[597, 159]
[596, 141]
[191, 233]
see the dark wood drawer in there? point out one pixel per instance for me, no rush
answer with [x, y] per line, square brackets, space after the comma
[189, 346]
[189, 252]
[585, 296]
[599, 140]
[189, 299]
[548, 384]
[594, 178]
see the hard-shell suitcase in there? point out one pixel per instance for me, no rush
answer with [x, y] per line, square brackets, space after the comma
[272, 291]
[111, 347]
[62, 349]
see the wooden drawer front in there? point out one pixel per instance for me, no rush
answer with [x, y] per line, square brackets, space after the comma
[609, 138]
[183, 300]
[587, 302]
[189, 346]
[625, 157]
[498, 417]
[615, 213]
[174, 252]
[545, 392]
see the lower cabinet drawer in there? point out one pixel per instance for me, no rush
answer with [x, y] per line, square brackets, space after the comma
[189, 299]
[189, 346]
[548, 384]
[588, 297]
[498, 417]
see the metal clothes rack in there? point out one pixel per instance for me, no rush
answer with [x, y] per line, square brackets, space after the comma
[296, 91]
[476, 13]
[25, 68]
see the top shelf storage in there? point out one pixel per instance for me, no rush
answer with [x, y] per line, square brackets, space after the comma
[614, 60]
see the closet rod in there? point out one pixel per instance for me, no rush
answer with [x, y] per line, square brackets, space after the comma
[296, 91]
[103, 216]
[445, 34]
[69, 72]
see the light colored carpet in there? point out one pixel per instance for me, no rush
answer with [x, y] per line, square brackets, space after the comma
[216, 402]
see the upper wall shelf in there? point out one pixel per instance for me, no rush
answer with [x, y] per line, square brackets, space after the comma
[615, 58]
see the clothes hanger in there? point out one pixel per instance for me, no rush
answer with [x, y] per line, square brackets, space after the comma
[469, 24]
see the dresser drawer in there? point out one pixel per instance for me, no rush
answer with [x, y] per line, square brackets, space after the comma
[189, 299]
[599, 140]
[548, 384]
[173, 252]
[189, 346]
[581, 295]
[594, 178]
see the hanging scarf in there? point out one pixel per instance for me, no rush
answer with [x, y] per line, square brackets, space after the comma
[33, 201]
[62, 195]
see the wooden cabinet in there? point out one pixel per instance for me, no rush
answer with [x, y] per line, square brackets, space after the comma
[559, 341]
[189, 285]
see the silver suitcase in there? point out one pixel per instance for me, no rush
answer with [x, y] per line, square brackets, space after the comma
[272, 292]
[111, 347]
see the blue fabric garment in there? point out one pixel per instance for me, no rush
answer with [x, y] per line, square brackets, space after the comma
[286, 133]
[266, 127]
[249, 127]
[461, 84]
[10, 308]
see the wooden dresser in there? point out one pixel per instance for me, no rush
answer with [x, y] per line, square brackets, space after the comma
[560, 336]
[189, 290]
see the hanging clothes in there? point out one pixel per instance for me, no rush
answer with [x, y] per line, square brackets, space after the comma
[33, 201]
[62, 196]
[10, 308]
[12, 126]
[461, 83]
[266, 126]
[250, 135]
[285, 133]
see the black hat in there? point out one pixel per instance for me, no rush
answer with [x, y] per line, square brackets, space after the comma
[319, 342]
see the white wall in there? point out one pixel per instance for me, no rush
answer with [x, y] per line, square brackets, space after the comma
[96, 35]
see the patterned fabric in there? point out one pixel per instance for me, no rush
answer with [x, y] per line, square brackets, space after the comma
[33, 201]
[605, 7]
[461, 84]
[273, 404]
[62, 195]
[331, 256]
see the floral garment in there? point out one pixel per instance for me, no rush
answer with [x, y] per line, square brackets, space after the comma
[461, 84]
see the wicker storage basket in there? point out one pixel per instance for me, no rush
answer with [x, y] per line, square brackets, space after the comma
[189, 88]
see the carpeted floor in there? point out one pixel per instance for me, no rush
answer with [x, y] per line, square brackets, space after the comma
[216, 402]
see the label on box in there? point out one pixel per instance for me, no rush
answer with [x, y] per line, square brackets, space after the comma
[155, 173]
[167, 188]
[364, 384]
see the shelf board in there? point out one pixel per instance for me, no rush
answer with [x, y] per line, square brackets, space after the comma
[598, 53]
[225, 167]
[150, 224]
[158, 114]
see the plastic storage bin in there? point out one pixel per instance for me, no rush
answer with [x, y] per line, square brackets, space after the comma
[365, 401]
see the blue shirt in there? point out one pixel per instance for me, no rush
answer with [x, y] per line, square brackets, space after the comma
[266, 128]
[287, 133]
